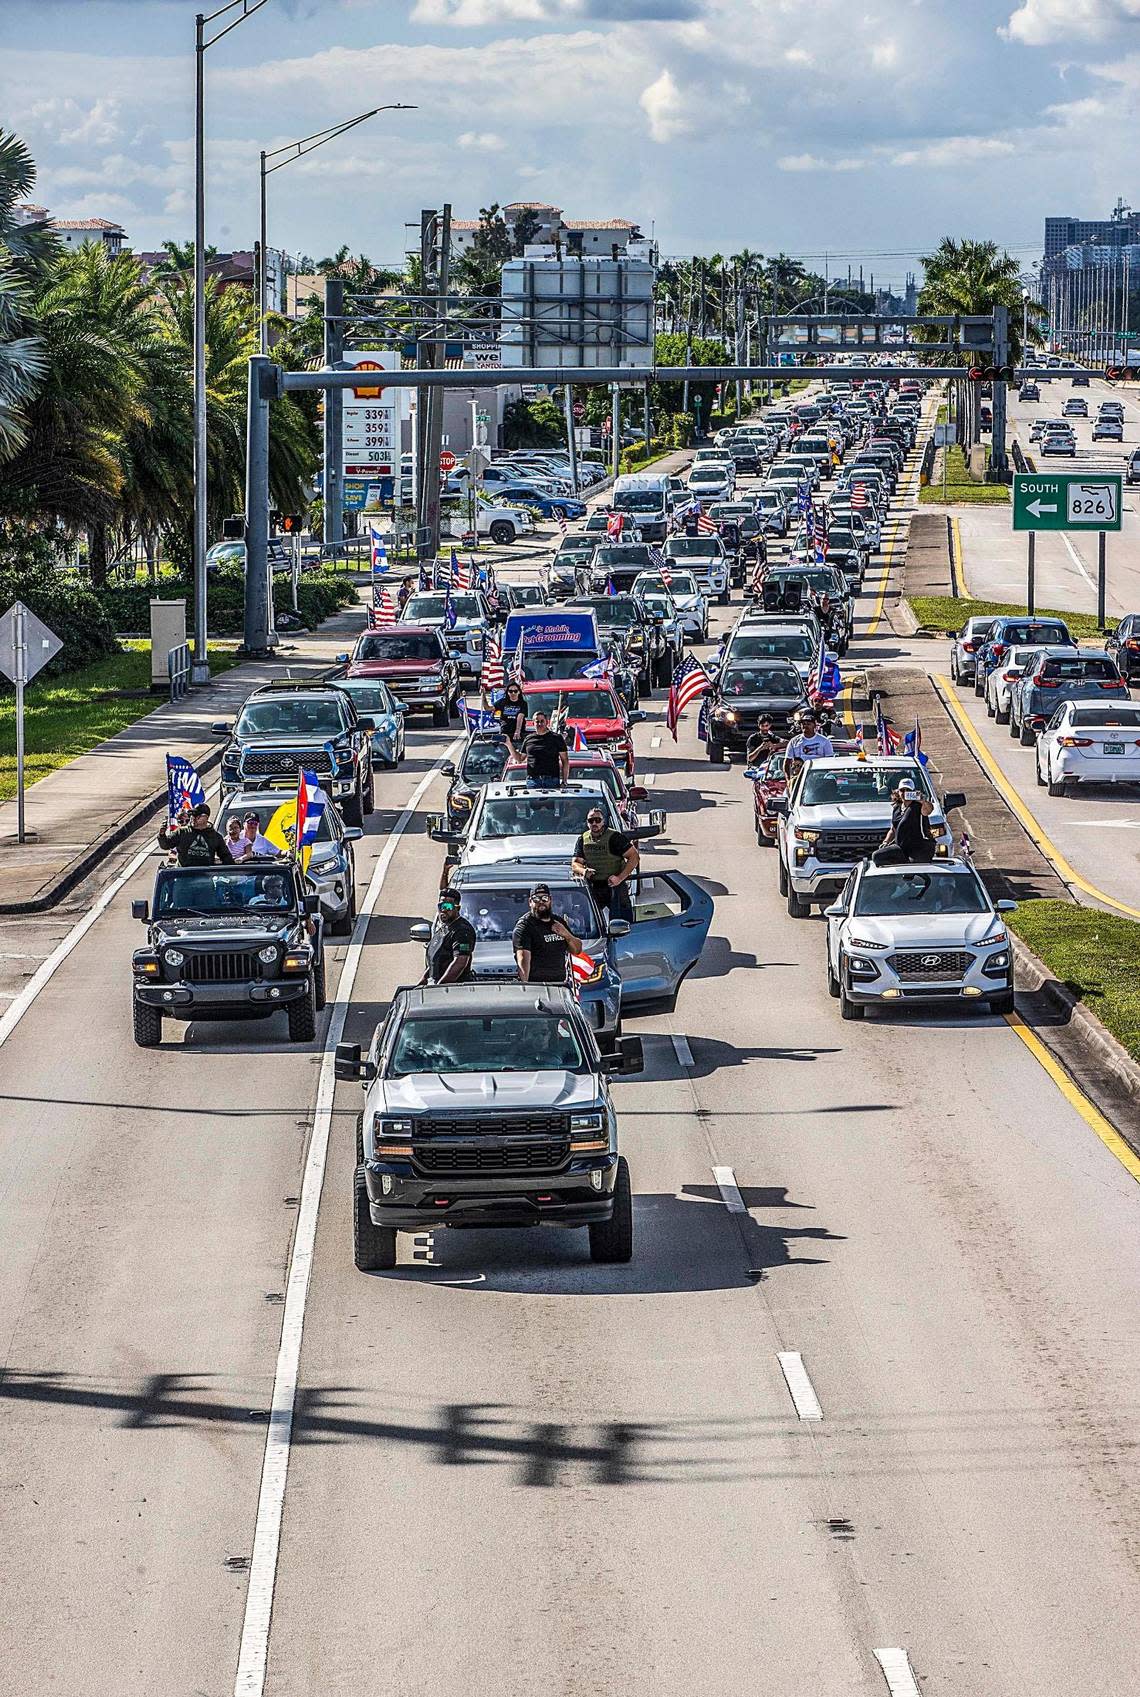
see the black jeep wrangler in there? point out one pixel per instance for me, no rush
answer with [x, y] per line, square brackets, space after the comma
[229, 942]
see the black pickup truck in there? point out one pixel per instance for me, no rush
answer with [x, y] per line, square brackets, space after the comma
[229, 942]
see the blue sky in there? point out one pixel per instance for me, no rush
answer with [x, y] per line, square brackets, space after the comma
[807, 125]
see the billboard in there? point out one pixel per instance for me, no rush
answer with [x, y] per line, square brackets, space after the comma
[371, 416]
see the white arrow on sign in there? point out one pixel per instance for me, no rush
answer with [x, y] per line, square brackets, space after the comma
[1037, 508]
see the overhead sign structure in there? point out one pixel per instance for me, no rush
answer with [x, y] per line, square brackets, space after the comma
[1068, 500]
[26, 646]
[371, 417]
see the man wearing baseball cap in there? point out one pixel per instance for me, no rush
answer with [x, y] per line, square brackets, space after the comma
[909, 837]
[543, 942]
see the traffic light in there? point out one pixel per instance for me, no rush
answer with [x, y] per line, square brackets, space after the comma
[233, 530]
[975, 374]
[290, 523]
[1121, 373]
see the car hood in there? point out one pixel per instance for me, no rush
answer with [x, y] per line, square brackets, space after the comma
[489, 851]
[759, 703]
[846, 813]
[245, 930]
[394, 668]
[920, 931]
[501, 1092]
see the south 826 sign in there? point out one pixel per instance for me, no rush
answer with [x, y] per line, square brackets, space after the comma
[1067, 500]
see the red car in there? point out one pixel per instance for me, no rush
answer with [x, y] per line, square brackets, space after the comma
[413, 660]
[594, 708]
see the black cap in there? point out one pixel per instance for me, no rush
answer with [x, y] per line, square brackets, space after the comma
[539, 890]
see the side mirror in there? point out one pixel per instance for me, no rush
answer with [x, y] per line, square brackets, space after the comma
[626, 1057]
[420, 931]
[447, 767]
[952, 799]
[657, 817]
[1006, 906]
[348, 1064]
[618, 928]
[637, 717]
[400, 706]
[367, 724]
[754, 773]
[352, 833]
[779, 805]
[638, 792]
[835, 911]
[639, 833]
[312, 903]
[220, 728]
[141, 910]
[341, 659]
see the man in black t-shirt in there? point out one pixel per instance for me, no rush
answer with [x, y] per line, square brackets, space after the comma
[606, 860]
[547, 756]
[451, 946]
[543, 942]
[198, 843]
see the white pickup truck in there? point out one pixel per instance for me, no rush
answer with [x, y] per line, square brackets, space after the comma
[500, 524]
[705, 557]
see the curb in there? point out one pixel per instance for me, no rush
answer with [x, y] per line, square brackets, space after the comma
[1081, 1020]
[100, 848]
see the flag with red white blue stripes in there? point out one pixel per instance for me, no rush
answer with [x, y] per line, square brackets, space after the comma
[689, 681]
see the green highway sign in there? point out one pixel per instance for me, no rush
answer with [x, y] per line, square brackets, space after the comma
[1067, 500]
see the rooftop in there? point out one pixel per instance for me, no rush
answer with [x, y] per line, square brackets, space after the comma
[86, 224]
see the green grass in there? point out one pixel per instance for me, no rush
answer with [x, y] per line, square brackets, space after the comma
[961, 487]
[948, 612]
[1096, 954]
[70, 714]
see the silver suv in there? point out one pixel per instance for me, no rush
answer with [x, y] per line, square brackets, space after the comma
[487, 1105]
[837, 813]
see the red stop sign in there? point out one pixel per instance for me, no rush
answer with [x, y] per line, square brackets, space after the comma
[447, 461]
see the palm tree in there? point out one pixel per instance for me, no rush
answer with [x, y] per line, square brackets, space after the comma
[972, 277]
[179, 260]
[24, 251]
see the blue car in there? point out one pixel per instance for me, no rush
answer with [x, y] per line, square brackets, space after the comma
[374, 700]
[550, 506]
[1016, 631]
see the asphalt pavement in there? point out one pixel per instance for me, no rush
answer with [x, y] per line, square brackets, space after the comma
[510, 1470]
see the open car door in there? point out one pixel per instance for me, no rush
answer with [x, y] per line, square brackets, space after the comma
[672, 915]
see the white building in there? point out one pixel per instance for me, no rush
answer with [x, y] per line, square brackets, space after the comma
[77, 232]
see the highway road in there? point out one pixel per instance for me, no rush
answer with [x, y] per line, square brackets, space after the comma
[1066, 565]
[510, 1470]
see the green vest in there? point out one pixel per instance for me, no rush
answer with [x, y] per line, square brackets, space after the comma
[602, 863]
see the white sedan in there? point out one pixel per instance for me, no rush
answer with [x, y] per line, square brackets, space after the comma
[1001, 678]
[1085, 743]
[711, 481]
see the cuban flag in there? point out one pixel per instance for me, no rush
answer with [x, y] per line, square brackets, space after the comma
[912, 744]
[860, 751]
[379, 552]
[183, 785]
[311, 803]
[603, 668]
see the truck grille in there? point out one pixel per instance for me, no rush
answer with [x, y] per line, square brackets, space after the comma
[282, 763]
[220, 966]
[932, 966]
[544, 1156]
[502, 1125]
[842, 847]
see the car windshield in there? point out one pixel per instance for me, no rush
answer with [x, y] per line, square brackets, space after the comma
[302, 716]
[613, 609]
[1123, 716]
[535, 815]
[797, 646]
[691, 547]
[495, 913]
[276, 818]
[578, 703]
[640, 501]
[656, 602]
[550, 667]
[485, 758]
[623, 554]
[1033, 636]
[1080, 667]
[760, 680]
[530, 594]
[422, 609]
[434, 1043]
[680, 583]
[569, 545]
[368, 697]
[822, 787]
[192, 890]
[814, 577]
[390, 645]
[920, 892]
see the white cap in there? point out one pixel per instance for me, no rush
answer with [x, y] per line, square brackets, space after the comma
[907, 786]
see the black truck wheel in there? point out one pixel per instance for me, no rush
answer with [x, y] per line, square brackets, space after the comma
[352, 808]
[612, 1240]
[303, 1017]
[148, 1026]
[373, 1247]
[320, 995]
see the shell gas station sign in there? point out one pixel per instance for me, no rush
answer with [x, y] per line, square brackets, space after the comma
[371, 412]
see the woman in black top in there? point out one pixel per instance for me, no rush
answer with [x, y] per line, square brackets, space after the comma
[511, 711]
[909, 837]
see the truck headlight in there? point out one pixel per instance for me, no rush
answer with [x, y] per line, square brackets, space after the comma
[587, 1122]
[805, 836]
[174, 957]
[391, 1128]
[268, 954]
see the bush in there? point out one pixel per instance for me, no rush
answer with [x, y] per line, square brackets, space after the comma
[29, 573]
[637, 455]
[319, 595]
[682, 428]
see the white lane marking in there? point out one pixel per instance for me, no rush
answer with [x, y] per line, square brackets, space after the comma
[897, 1673]
[649, 779]
[1107, 824]
[1077, 561]
[45, 973]
[252, 1657]
[655, 742]
[682, 1051]
[729, 1191]
[798, 1383]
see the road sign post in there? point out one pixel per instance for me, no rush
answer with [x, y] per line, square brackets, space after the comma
[1069, 501]
[1029, 574]
[1101, 581]
[26, 645]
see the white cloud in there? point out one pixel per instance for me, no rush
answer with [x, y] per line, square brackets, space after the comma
[480, 141]
[955, 150]
[662, 104]
[1038, 23]
[813, 162]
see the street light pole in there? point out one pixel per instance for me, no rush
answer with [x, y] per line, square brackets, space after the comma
[200, 670]
[276, 160]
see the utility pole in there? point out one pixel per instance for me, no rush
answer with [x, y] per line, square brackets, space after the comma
[434, 433]
[332, 529]
[689, 335]
[999, 461]
[615, 432]
[263, 375]
[571, 438]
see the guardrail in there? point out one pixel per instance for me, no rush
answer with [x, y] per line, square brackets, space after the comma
[178, 670]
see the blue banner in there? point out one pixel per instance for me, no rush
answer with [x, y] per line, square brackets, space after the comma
[551, 630]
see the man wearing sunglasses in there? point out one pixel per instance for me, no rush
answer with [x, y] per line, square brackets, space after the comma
[606, 860]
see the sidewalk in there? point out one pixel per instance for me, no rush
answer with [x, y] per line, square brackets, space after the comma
[77, 814]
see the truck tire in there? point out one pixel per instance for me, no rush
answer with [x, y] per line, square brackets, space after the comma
[502, 532]
[715, 752]
[439, 717]
[373, 1247]
[148, 1025]
[303, 1016]
[796, 908]
[368, 800]
[342, 927]
[320, 990]
[352, 808]
[612, 1240]
[782, 876]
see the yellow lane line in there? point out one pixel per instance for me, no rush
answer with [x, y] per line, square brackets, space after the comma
[960, 556]
[1033, 829]
[1076, 1098]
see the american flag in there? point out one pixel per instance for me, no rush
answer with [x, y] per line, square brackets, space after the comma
[660, 564]
[383, 610]
[688, 681]
[886, 739]
[493, 677]
[582, 969]
[707, 526]
[462, 576]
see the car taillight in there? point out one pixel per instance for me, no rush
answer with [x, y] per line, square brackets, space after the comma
[998, 650]
[1132, 643]
[1114, 685]
[1075, 742]
[968, 647]
[1043, 682]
